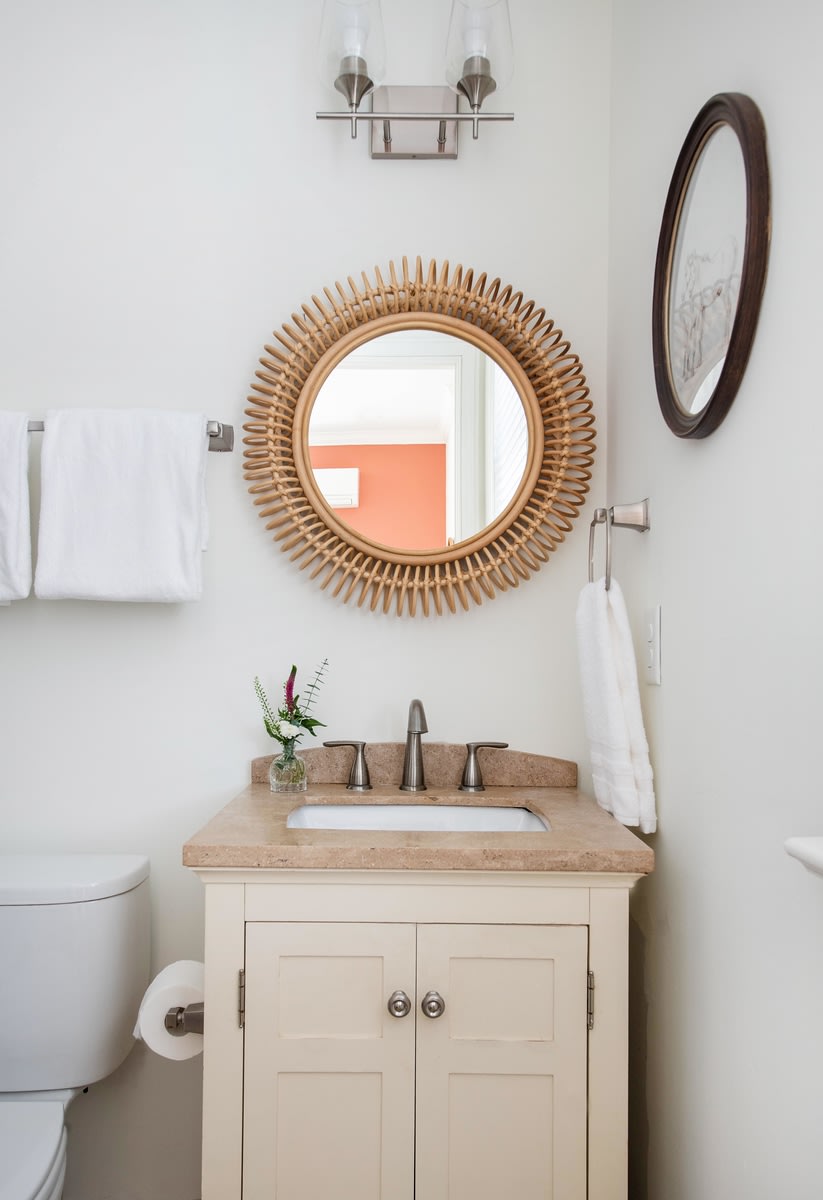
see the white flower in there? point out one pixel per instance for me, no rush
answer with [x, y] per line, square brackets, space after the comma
[287, 730]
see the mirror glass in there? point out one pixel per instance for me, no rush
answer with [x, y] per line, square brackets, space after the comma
[418, 440]
[706, 269]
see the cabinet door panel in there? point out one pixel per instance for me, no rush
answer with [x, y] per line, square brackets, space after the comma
[329, 1083]
[501, 1076]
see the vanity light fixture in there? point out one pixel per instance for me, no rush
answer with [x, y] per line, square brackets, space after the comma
[479, 60]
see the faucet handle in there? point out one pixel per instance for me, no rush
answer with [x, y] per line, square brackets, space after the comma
[472, 780]
[359, 777]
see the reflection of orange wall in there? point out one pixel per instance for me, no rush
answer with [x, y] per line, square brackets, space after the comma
[402, 492]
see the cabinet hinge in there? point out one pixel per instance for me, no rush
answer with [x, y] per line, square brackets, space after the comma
[241, 997]
[590, 1001]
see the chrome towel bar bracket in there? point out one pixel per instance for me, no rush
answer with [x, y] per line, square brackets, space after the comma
[624, 516]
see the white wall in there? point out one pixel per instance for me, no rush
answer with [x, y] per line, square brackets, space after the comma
[167, 200]
[728, 948]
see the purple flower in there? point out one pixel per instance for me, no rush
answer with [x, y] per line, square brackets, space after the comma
[290, 689]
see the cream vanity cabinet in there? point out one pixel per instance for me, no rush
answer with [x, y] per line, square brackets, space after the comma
[416, 1016]
[485, 1097]
[323, 1091]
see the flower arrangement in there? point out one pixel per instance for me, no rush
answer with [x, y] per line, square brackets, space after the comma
[288, 724]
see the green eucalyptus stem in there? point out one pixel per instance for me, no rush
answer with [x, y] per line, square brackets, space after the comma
[311, 690]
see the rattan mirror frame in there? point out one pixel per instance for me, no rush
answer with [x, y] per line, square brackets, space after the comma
[514, 332]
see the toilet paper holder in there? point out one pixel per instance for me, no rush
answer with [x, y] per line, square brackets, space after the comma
[180, 1021]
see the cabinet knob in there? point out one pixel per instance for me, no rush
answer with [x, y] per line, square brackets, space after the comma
[399, 1004]
[433, 1005]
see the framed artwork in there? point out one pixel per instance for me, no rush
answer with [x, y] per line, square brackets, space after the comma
[711, 265]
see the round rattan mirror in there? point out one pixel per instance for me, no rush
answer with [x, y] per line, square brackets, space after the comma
[518, 338]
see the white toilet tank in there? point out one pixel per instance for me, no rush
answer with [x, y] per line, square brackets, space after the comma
[74, 964]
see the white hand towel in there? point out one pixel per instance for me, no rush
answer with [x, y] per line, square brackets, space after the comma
[619, 752]
[123, 511]
[15, 529]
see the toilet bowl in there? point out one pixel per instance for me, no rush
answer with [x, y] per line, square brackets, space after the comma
[32, 1150]
[74, 947]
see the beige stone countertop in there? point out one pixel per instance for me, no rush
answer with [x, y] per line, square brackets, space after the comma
[251, 832]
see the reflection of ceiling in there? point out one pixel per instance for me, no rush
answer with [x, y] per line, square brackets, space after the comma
[371, 404]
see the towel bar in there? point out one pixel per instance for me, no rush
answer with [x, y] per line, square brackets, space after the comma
[221, 437]
[625, 516]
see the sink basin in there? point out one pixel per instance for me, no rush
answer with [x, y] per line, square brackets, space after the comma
[809, 850]
[436, 818]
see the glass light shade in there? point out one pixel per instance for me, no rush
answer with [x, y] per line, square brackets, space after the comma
[352, 46]
[479, 49]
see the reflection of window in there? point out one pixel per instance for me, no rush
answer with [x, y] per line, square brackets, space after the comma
[509, 442]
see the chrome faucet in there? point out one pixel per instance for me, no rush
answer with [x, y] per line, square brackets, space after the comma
[413, 780]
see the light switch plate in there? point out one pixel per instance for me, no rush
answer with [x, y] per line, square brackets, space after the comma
[651, 644]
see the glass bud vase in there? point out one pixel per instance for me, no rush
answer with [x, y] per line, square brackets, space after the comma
[287, 772]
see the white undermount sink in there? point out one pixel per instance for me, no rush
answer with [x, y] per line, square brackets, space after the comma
[809, 851]
[434, 818]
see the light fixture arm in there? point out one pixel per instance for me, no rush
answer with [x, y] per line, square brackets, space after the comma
[355, 117]
[476, 83]
[353, 83]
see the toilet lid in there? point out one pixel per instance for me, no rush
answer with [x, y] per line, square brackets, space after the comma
[30, 1140]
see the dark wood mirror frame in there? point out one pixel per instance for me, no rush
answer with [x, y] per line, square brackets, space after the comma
[742, 115]
[552, 387]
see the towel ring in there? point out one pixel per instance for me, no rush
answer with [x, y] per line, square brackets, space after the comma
[627, 516]
[602, 516]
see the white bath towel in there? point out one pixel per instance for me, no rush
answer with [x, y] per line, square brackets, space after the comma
[619, 752]
[15, 529]
[123, 512]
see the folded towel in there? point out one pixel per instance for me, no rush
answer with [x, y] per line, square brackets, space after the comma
[15, 531]
[123, 512]
[619, 752]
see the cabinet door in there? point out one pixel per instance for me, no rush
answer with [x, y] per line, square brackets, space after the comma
[501, 1075]
[329, 1074]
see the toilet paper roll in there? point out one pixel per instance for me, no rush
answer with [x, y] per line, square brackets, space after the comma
[177, 985]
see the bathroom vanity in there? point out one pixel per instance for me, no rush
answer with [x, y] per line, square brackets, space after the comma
[416, 1015]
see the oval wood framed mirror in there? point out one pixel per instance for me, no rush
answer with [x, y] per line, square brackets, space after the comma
[516, 338]
[711, 262]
